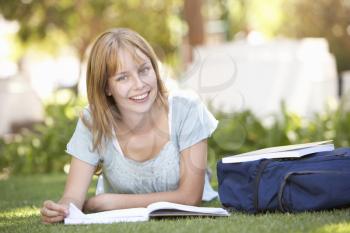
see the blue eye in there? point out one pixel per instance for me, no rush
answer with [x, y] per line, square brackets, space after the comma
[145, 70]
[121, 78]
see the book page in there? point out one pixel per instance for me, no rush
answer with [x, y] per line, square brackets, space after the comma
[173, 209]
[76, 216]
[284, 148]
[296, 153]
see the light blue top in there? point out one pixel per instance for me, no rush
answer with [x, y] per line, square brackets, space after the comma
[189, 122]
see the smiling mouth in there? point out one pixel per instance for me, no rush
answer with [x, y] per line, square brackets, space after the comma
[140, 98]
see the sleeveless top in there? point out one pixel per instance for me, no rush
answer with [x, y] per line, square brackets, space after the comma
[189, 122]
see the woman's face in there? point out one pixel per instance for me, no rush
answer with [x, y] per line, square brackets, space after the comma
[134, 86]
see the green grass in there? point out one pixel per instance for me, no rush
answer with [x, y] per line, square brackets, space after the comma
[21, 198]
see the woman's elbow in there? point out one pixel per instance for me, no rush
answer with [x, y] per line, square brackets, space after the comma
[191, 199]
[196, 201]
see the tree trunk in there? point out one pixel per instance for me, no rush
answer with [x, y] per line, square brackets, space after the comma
[194, 19]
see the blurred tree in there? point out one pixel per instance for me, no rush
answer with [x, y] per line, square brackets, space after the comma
[242, 16]
[235, 14]
[79, 22]
[324, 18]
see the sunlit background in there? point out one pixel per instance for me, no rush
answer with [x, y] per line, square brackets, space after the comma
[273, 72]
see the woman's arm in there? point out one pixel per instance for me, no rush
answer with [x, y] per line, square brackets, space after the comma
[77, 184]
[193, 164]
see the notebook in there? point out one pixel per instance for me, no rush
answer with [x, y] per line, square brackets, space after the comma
[290, 151]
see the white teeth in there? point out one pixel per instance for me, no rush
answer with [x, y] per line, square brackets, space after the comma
[140, 97]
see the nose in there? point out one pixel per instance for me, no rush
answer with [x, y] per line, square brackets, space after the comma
[138, 83]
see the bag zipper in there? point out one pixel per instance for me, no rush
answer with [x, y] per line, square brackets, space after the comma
[261, 168]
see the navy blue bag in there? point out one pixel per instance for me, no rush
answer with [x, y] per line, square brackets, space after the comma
[317, 181]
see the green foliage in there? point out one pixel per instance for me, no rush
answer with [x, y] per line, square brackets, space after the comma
[42, 150]
[243, 131]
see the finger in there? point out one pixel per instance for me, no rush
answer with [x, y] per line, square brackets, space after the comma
[56, 207]
[50, 213]
[49, 220]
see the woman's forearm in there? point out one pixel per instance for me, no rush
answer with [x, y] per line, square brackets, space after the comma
[66, 200]
[111, 201]
[137, 200]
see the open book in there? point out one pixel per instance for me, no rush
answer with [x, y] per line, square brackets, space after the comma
[158, 209]
[291, 151]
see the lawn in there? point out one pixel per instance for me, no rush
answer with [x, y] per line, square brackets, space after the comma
[21, 198]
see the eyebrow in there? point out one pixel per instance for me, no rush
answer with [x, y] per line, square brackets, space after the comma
[121, 73]
[125, 72]
[145, 63]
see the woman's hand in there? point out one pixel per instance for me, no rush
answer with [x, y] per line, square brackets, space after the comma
[52, 212]
[78, 181]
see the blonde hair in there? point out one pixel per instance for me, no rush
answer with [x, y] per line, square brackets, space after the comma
[103, 63]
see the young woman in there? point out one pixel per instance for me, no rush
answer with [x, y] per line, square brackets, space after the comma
[152, 144]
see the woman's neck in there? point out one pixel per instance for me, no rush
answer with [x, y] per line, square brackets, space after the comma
[133, 123]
